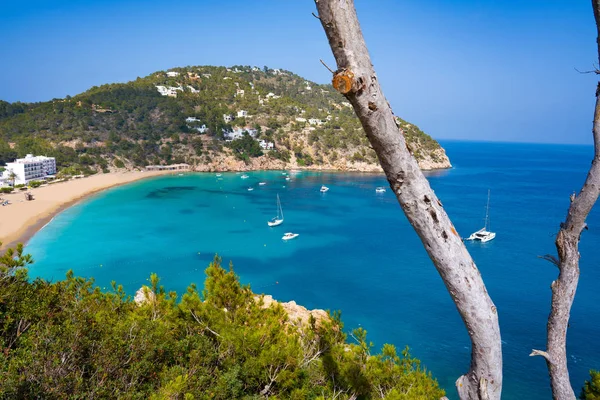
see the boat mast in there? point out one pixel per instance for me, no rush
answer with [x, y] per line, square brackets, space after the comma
[487, 212]
[279, 209]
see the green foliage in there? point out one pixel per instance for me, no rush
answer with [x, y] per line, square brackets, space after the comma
[6, 190]
[591, 388]
[133, 122]
[35, 184]
[246, 147]
[69, 339]
[119, 163]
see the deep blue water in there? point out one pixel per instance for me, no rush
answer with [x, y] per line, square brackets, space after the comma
[356, 252]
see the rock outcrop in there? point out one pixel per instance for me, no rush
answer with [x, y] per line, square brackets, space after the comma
[296, 313]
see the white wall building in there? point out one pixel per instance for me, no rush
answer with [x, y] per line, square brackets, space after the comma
[242, 114]
[265, 145]
[172, 74]
[30, 169]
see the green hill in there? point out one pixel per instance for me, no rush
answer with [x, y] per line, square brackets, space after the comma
[132, 124]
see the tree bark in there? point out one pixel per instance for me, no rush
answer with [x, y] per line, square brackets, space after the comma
[567, 246]
[356, 79]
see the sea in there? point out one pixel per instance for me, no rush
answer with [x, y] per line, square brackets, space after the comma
[356, 251]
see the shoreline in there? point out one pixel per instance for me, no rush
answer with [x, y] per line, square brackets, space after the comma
[31, 216]
[22, 219]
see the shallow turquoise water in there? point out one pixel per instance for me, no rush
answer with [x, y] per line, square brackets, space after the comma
[356, 252]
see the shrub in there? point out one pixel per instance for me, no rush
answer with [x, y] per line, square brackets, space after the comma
[118, 163]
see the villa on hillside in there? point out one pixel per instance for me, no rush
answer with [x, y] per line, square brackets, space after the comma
[172, 74]
[242, 114]
[168, 90]
[30, 168]
[266, 145]
[227, 117]
[238, 133]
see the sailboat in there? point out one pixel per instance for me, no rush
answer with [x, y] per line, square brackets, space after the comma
[483, 235]
[278, 220]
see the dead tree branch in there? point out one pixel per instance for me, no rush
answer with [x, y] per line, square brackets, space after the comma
[355, 78]
[567, 246]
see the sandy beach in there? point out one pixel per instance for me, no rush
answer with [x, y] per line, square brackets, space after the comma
[21, 219]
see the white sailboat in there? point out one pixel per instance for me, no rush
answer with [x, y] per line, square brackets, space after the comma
[483, 235]
[278, 220]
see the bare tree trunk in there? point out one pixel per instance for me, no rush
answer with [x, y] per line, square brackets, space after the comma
[356, 79]
[567, 245]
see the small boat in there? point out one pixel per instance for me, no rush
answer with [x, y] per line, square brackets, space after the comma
[277, 220]
[287, 178]
[244, 176]
[290, 236]
[250, 189]
[219, 175]
[483, 235]
[380, 189]
[324, 189]
[262, 183]
[284, 173]
[180, 174]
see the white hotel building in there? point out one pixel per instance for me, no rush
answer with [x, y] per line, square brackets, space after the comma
[30, 169]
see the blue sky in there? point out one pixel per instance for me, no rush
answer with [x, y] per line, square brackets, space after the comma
[462, 69]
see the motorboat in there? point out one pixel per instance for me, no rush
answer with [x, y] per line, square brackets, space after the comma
[250, 189]
[324, 189]
[244, 176]
[262, 183]
[380, 189]
[290, 236]
[278, 219]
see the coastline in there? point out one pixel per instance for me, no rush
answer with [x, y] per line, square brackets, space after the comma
[20, 220]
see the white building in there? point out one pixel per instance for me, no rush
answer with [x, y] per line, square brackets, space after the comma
[30, 169]
[265, 145]
[168, 90]
[242, 114]
[314, 121]
[239, 92]
[227, 117]
[172, 74]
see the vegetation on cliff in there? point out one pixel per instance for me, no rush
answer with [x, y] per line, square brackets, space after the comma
[133, 125]
[68, 339]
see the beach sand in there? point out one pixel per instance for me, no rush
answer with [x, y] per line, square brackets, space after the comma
[21, 219]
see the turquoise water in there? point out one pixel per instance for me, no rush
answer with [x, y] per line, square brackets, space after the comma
[356, 252]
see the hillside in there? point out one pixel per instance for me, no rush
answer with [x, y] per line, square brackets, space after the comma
[191, 114]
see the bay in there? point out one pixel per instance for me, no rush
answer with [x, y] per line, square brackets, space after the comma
[356, 251]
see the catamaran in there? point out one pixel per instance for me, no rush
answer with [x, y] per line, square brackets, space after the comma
[483, 235]
[278, 220]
